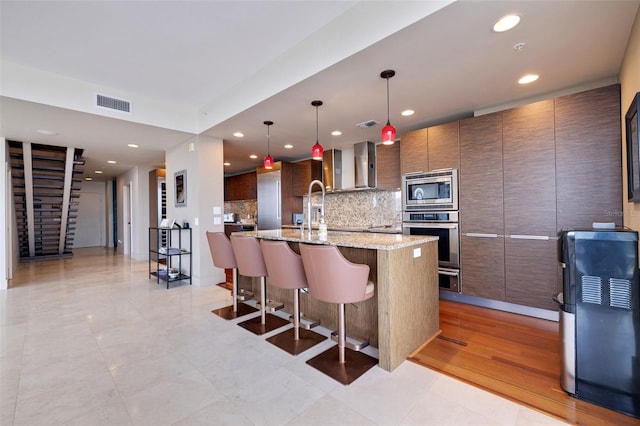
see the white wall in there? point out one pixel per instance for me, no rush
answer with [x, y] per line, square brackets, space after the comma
[5, 230]
[138, 179]
[630, 85]
[202, 158]
[91, 226]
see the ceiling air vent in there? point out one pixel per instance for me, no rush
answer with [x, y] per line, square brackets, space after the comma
[367, 124]
[114, 104]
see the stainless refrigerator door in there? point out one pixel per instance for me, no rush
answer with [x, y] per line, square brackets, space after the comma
[269, 201]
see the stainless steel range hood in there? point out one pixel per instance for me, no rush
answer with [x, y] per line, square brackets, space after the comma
[364, 155]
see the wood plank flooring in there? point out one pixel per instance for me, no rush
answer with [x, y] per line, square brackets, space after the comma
[514, 356]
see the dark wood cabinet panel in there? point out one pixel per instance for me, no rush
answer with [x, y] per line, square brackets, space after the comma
[413, 152]
[443, 147]
[241, 187]
[482, 267]
[529, 169]
[588, 158]
[388, 166]
[531, 269]
[302, 176]
[481, 189]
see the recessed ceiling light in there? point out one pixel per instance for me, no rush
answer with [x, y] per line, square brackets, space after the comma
[506, 23]
[133, 145]
[98, 172]
[111, 161]
[253, 156]
[88, 178]
[48, 132]
[226, 164]
[529, 78]
[407, 112]
[336, 133]
[238, 134]
[288, 146]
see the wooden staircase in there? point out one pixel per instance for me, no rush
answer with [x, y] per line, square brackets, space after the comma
[46, 183]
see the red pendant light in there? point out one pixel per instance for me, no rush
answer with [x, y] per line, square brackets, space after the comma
[388, 131]
[317, 150]
[268, 160]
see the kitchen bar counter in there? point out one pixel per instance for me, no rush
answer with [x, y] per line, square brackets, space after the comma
[402, 315]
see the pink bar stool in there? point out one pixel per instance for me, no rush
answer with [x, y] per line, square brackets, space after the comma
[334, 279]
[222, 255]
[285, 270]
[251, 264]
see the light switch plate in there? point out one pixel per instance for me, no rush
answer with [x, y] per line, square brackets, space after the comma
[417, 252]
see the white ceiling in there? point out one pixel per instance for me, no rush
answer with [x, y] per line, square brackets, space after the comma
[251, 61]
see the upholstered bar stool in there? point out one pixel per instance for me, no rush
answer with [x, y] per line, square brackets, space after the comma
[334, 279]
[251, 264]
[285, 270]
[222, 255]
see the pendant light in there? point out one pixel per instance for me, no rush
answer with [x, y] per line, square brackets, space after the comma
[317, 150]
[388, 131]
[268, 160]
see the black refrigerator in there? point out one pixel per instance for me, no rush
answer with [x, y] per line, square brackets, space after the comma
[600, 318]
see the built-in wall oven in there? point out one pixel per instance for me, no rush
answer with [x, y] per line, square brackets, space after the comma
[444, 225]
[430, 207]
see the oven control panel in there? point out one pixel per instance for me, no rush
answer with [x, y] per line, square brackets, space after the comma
[446, 216]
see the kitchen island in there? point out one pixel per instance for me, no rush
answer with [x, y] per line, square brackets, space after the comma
[402, 315]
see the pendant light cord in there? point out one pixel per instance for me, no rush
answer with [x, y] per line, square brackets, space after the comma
[388, 121]
[317, 126]
[268, 140]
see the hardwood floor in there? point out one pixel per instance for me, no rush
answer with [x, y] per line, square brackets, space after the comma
[514, 356]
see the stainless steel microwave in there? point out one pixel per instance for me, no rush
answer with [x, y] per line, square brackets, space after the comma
[437, 190]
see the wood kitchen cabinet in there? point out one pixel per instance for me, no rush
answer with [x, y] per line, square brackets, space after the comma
[558, 165]
[388, 167]
[443, 146]
[588, 158]
[303, 173]
[241, 187]
[481, 207]
[528, 147]
[413, 152]
[431, 148]
[531, 272]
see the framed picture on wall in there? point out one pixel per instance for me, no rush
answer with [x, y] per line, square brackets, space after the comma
[180, 179]
[632, 122]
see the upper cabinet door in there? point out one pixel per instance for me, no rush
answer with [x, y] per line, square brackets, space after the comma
[388, 166]
[413, 152]
[588, 158]
[443, 146]
[529, 170]
[481, 200]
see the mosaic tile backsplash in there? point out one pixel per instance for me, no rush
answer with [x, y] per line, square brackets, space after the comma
[357, 209]
[361, 209]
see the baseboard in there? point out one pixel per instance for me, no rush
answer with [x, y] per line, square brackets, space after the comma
[501, 306]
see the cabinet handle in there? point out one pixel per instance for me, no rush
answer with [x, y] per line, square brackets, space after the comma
[529, 237]
[478, 235]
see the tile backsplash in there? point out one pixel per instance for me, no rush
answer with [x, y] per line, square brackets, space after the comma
[356, 209]
[244, 209]
[361, 209]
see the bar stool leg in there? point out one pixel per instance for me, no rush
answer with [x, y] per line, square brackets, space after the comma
[342, 333]
[236, 309]
[263, 300]
[296, 314]
[234, 289]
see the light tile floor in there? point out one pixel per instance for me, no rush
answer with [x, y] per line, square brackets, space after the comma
[92, 341]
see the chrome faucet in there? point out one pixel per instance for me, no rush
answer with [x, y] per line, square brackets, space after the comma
[309, 205]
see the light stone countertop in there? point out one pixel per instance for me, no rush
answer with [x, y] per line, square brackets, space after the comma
[366, 240]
